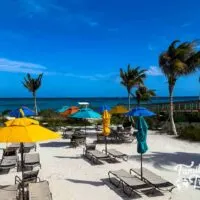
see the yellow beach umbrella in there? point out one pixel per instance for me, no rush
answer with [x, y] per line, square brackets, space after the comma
[106, 126]
[106, 123]
[25, 130]
[118, 110]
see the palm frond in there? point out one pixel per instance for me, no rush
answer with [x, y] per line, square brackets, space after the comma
[32, 84]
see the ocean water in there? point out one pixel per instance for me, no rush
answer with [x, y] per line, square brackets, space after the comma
[56, 103]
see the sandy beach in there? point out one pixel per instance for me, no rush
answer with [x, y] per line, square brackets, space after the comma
[73, 177]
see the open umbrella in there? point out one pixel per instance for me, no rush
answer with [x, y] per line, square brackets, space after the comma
[118, 110]
[140, 111]
[70, 111]
[22, 112]
[22, 130]
[142, 127]
[63, 109]
[86, 113]
[106, 126]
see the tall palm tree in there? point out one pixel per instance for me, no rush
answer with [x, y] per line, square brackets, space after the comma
[144, 94]
[132, 78]
[33, 84]
[180, 59]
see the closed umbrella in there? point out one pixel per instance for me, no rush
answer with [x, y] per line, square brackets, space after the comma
[106, 126]
[22, 112]
[86, 113]
[22, 130]
[142, 127]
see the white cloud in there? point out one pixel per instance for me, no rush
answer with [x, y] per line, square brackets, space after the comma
[150, 47]
[94, 77]
[12, 66]
[185, 25]
[32, 8]
[91, 23]
[154, 71]
[7, 65]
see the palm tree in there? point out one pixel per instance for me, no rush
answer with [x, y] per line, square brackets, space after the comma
[132, 78]
[33, 84]
[176, 61]
[144, 94]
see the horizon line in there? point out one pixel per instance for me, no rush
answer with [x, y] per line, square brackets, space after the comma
[90, 97]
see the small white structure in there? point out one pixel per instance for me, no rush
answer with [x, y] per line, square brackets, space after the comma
[83, 104]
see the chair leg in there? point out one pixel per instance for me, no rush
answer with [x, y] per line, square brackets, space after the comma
[117, 185]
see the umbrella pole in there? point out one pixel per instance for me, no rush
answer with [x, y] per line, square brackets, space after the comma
[106, 144]
[85, 126]
[141, 167]
[22, 168]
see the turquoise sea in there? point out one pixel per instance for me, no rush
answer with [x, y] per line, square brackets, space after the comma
[56, 103]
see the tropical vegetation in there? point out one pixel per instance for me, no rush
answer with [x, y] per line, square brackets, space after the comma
[144, 94]
[132, 77]
[33, 84]
[180, 59]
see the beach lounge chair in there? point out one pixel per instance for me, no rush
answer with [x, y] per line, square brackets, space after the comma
[28, 177]
[9, 192]
[32, 160]
[127, 180]
[96, 155]
[8, 162]
[9, 152]
[153, 179]
[28, 147]
[39, 191]
[117, 154]
[14, 145]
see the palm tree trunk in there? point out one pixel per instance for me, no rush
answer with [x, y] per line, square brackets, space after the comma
[171, 111]
[129, 101]
[35, 104]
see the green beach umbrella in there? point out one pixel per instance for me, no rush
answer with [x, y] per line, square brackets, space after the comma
[141, 136]
[142, 127]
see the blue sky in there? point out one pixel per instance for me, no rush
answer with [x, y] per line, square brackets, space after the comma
[80, 45]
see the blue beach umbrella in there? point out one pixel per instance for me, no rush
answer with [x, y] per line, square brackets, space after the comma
[142, 127]
[103, 108]
[140, 111]
[86, 113]
[22, 112]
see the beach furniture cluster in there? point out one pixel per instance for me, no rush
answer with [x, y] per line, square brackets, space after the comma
[130, 183]
[34, 188]
[97, 156]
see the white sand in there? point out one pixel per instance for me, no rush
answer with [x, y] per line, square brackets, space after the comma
[73, 178]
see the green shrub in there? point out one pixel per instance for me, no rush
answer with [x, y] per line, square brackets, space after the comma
[5, 112]
[49, 113]
[190, 133]
[187, 117]
[117, 119]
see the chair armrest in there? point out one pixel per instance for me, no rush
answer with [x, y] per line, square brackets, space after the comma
[84, 151]
[18, 180]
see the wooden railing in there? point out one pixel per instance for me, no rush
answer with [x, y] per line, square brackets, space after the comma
[191, 106]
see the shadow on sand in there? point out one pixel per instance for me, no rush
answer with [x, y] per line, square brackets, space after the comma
[55, 144]
[160, 159]
[119, 190]
[94, 183]
[68, 157]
